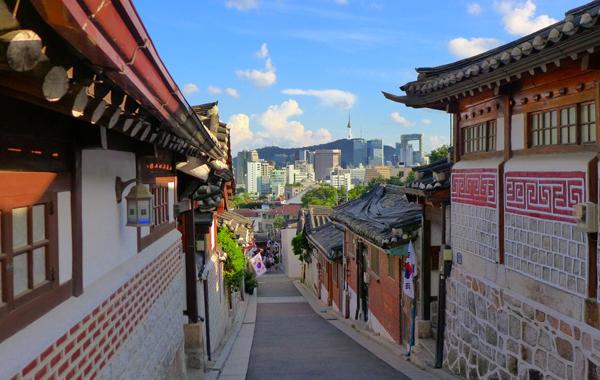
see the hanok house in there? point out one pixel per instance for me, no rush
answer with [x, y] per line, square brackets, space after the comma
[431, 189]
[378, 227]
[327, 241]
[206, 187]
[309, 219]
[91, 274]
[523, 294]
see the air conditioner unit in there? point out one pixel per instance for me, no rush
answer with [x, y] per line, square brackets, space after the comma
[366, 278]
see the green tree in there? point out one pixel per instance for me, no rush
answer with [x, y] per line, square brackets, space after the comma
[374, 181]
[233, 273]
[264, 196]
[322, 196]
[237, 201]
[278, 221]
[357, 191]
[300, 247]
[240, 190]
[410, 177]
[439, 153]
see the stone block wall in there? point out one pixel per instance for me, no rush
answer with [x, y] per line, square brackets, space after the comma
[475, 230]
[552, 252]
[493, 333]
[134, 334]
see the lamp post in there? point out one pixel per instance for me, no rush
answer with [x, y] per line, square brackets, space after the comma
[139, 202]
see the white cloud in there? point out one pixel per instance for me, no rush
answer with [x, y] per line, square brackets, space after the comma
[519, 18]
[463, 48]
[278, 129]
[426, 121]
[232, 92]
[190, 89]
[401, 120]
[240, 130]
[242, 5]
[260, 78]
[214, 90]
[437, 141]
[263, 52]
[331, 98]
[474, 9]
[341, 1]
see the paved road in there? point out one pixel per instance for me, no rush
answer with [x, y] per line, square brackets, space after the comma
[292, 342]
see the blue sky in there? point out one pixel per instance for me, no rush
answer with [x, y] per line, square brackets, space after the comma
[287, 72]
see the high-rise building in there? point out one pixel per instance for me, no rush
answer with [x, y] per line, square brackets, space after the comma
[399, 150]
[253, 174]
[243, 158]
[405, 155]
[265, 169]
[359, 153]
[325, 160]
[375, 152]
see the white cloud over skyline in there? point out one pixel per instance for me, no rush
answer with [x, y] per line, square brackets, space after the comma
[242, 5]
[260, 78]
[464, 48]
[278, 129]
[474, 9]
[426, 121]
[436, 141]
[330, 98]
[519, 18]
[190, 89]
[401, 120]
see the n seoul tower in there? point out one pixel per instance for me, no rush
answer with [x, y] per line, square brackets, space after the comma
[349, 128]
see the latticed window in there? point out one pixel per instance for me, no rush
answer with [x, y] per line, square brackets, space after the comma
[479, 138]
[28, 253]
[161, 204]
[571, 125]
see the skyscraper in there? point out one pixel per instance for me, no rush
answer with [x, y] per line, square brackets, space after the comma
[375, 152]
[359, 153]
[325, 160]
[253, 177]
[243, 158]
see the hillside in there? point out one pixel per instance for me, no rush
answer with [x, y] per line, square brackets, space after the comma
[268, 153]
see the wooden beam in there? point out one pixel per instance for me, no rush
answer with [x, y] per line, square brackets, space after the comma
[20, 49]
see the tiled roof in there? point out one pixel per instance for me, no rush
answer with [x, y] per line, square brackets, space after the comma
[578, 32]
[383, 216]
[240, 226]
[246, 212]
[317, 216]
[435, 176]
[328, 240]
[284, 210]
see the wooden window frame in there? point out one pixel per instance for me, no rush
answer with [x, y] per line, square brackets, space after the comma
[591, 125]
[392, 266]
[374, 264]
[157, 231]
[479, 137]
[17, 312]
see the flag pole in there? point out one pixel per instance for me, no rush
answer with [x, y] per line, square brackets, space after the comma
[412, 326]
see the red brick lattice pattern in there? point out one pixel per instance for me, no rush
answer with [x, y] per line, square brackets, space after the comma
[85, 350]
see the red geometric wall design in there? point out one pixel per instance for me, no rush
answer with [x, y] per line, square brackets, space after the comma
[475, 187]
[545, 195]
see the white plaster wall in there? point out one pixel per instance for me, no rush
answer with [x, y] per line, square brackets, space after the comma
[517, 131]
[107, 242]
[20, 349]
[171, 200]
[436, 234]
[324, 293]
[378, 327]
[550, 163]
[500, 134]
[353, 298]
[292, 266]
[65, 242]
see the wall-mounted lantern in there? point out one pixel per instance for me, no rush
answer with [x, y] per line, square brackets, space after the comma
[139, 202]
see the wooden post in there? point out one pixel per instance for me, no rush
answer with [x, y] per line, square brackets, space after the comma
[20, 49]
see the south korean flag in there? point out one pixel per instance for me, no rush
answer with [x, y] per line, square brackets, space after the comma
[410, 271]
[258, 265]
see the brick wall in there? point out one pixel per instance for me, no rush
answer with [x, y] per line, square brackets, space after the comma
[475, 230]
[493, 333]
[384, 296]
[136, 332]
[335, 293]
[550, 251]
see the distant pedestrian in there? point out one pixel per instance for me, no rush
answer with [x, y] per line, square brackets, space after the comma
[273, 264]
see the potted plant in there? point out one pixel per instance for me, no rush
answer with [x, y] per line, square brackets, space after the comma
[250, 282]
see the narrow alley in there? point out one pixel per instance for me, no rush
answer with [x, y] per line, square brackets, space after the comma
[294, 338]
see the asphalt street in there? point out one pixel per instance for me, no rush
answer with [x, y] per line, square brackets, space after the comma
[291, 341]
